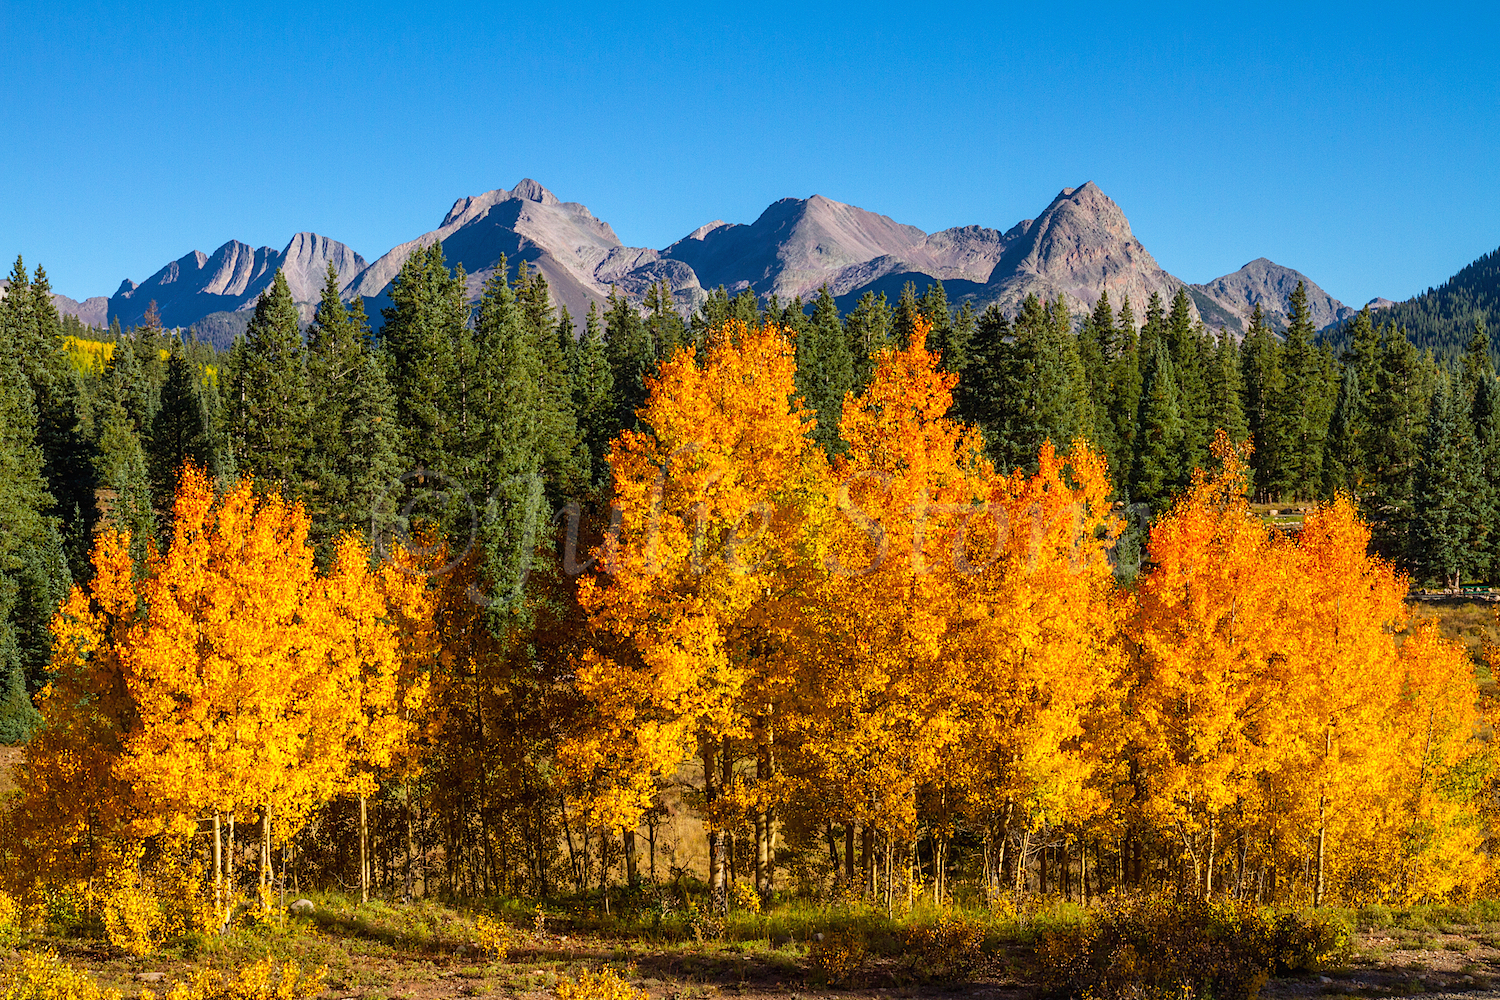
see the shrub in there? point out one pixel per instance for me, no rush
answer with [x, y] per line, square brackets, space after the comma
[1160, 947]
[261, 981]
[743, 897]
[44, 977]
[838, 957]
[10, 920]
[494, 937]
[601, 985]
[951, 948]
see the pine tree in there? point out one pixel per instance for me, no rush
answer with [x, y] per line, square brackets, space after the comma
[370, 454]
[1344, 462]
[825, 370]
[1448, 530]
[1264, 390]
[933, 305]
[336, 349]
[868, 327]
[1398, 416]
[418, 340]
[268, 406]
[181, 431]
[1096, 348]
[1303, 402]
[1485, 417]
[1189, 370]
[1125, 398]
[1156, 467]
[1226, 390]
[632, 358]
[564, 461]
[593, 394]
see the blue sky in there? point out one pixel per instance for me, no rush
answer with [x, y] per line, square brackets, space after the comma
[1359, 145]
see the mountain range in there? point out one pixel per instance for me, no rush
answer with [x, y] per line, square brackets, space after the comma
[1079, 245]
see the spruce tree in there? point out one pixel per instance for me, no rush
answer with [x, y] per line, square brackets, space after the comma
[422, 327]
[1226, 390]
[868, 328]
[1398, 415]
[1264, 391]
[1186, 344]
[1344, 463]
[181, 431]
[1096, 354]
[632, 358]
[1485, 418]
[268, 406]
[1156, 467]
[825, 370]
[933, 305]
[593, 394]
[1447, 528]
[369, 454]
[1124, 398]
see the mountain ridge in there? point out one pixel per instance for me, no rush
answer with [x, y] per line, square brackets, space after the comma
[1079, 245]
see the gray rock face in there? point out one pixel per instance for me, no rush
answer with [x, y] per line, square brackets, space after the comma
[196, 285]
[580, 255]
[793, 248]
[91, 311]
[1232, 298]
[1081, 245]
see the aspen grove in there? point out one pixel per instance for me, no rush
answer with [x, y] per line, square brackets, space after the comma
[868, 662]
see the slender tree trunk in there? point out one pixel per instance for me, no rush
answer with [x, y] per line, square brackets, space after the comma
[218, 870]
[265, 851]
[1208, 873]
[364, 849]
[1323, 820]
[849, 852]
[562, 803]
[718, 889]
[627, 840]
[867, 859]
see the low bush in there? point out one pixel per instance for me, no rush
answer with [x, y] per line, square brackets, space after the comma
[950, 948]
[44, 977]
[602, 985]
[838, 957]
[1162, 948]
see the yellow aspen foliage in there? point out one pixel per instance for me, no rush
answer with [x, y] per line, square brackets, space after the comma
[707, 507]
[230, 677]
[1038, 641]
[1210, 705]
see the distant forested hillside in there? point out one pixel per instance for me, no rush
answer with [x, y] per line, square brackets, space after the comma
[1443, 318]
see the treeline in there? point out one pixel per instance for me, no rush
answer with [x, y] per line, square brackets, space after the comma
[1442, 319]
[758, 565]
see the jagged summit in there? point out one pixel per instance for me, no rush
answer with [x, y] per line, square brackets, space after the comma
[232, 278]
[1228, 301]
[1080, 245]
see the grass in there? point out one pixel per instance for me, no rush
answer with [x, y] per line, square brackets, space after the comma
[428, 949]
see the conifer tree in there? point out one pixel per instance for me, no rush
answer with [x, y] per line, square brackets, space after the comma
[1156, 467]
[1189, 372]
[1303, 402]
[1485, 417]
[1448, 529]
[1226, 390]
[632, 356]
[1264, 389]
[1398, 417]
[1344, 463]
[562, 456]
[1096, 348]
[825, 369]
[268, 406]
[933, 305]
[668, 331]
[181, 431]
[956, 350]
[593, 393]
[868, 327]
[1125, 398]
[421, 330]
[370, 453]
